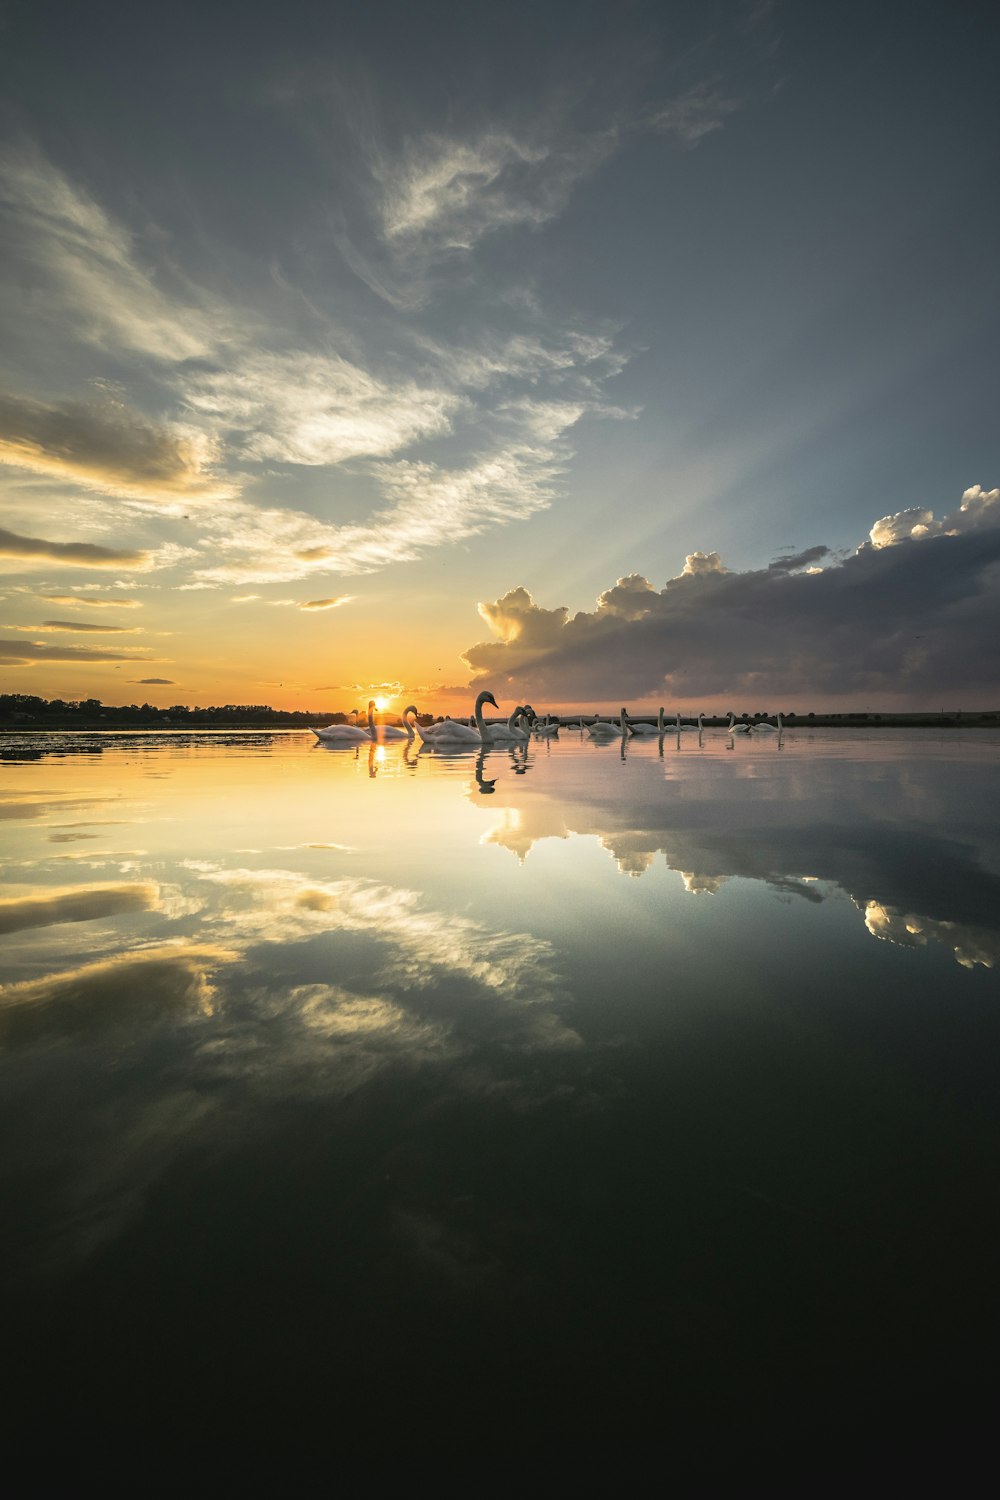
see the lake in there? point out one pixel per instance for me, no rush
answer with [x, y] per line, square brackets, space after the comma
[565, 1100]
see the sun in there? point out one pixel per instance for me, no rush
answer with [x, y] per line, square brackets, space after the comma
[381, 704]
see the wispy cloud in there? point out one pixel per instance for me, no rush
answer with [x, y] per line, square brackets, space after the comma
[73, 554]
[37, 653]
[90, 601]
[317, 409]
[334, 603]
[77, 625]
[113, 450]
[78, 903]
[78, 265]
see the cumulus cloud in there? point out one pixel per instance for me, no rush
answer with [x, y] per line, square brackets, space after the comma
[72, 554]
[979, 508]
[113, 450]
[905, 618]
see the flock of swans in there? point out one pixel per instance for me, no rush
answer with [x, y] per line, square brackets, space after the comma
[521, 726]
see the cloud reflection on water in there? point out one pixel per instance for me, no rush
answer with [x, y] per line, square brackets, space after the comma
[886, 841]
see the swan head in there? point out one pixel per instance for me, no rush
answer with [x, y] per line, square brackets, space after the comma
[486, 698]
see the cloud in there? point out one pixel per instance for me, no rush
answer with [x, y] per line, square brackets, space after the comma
[79, 268]
[693, 114]
[83, 626]
[113, 450]
[72, 554]
[429, 506]
[249, 391]
[89, 601]
[979, 508]
[446, 194]
[140, 987]
[153, 681]
[318, 409]
[798, 560]
[327, 603]
[75, 904]
[903, 619]
[37, 653]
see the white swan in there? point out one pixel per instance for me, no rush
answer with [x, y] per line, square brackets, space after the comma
[453, 733]
[423, 731]
[378, 733]
[733, 728]
[690, 728]
[771, 728]
[343, 734]
[600, 730]
[548, 729]
[514, 732]
[648, 730]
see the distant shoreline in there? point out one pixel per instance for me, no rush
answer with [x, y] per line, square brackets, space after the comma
[108, 723]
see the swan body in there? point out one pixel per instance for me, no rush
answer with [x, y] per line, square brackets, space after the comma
[378, 733]
[690, 728]
[451, 732]
[646, 731]
[733, 728]
[600, 730]
[549, 728]
[343, 734]
[513, 732]
[771, 728]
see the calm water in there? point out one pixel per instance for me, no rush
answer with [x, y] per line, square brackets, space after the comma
[543, 1101]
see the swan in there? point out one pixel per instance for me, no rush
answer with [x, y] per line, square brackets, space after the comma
[648, 730]
[343, 734]
[422, 731]
[549, 728]
[771, 728]
[381, 732]
[513, 732]
[453, 733]
[691, 728]
[600, 730]
[733, 728]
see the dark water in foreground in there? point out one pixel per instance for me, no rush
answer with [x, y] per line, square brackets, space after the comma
[373, 1107]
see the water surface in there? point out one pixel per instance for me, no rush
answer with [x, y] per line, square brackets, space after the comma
[555, 1099]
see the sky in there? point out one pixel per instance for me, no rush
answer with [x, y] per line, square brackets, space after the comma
[591, 353]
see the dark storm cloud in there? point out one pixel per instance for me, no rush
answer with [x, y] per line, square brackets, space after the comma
[798, 560]
[913, 617]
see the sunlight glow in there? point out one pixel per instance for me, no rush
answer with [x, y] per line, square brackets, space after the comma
[381, 704]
